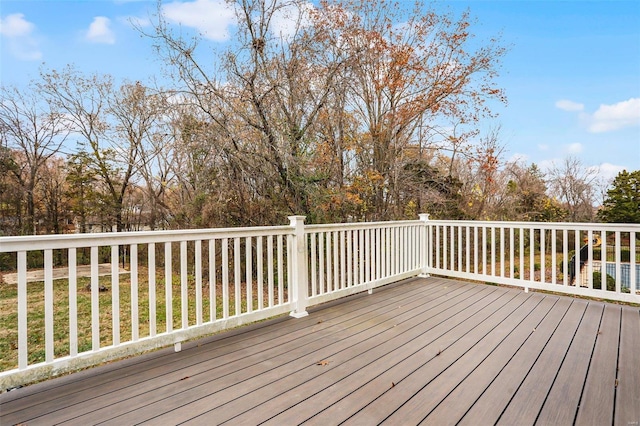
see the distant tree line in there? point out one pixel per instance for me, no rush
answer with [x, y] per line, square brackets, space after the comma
[347, 116]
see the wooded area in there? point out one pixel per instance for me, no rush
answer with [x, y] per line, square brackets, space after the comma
[348, 116]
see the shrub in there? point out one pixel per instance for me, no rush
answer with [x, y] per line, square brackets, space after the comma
[597, 280]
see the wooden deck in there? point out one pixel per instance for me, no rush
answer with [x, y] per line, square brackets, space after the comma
[431, 351]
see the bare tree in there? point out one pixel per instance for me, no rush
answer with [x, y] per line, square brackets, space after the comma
[311, 119]
[137, 138]
[263, 100]
[159, 166]
[574, 185]
[35, 128]
[114, 123]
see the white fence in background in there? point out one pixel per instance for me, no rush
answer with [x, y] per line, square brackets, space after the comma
[180, 285]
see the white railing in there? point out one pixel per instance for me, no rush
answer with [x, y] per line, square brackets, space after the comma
[349, 258]
[162, 288]
[540, 256]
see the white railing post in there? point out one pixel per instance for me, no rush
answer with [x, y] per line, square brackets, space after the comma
[298, 253]
[425, 243]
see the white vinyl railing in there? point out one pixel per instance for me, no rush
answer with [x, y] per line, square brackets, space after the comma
[558, 257]
[104, 296]
[109, 295]
[349, 258]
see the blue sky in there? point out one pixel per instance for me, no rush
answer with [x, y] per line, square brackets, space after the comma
[572, 73]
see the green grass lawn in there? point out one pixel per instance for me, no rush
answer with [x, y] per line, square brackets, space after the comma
[36, 323]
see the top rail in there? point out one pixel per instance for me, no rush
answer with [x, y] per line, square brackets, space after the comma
[622, 227]
[64, 241]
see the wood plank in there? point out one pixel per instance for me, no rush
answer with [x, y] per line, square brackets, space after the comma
[452, 351]
[172, 367]
[598, 397]
[201, 387]
[265, 385]
[343, 375]
[495, 398]
[484, 358]
[481, 338]
[561, 405]
[343, 400]
[530, 395]
[627, 408]
[508, 362]
[256, 333]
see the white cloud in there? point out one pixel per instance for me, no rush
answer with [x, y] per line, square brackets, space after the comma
[567, 105]
[100, 31]
[617, 116]
[574, 148]
[19, 34]
[609, 171]
[15, 25]
[211, 17]
[543, 147]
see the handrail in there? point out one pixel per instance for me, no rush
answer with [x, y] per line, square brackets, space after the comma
[182, 284]
[179, 285]
[539, 255]
[622, 227]
[65, 241]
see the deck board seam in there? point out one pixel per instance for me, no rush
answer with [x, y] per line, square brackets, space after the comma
[514, 296]
[204, 384]
[477, 346]
[180, 358]
[380, 356]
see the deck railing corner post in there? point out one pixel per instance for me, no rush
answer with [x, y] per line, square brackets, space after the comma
[425, 243]
[299, 267]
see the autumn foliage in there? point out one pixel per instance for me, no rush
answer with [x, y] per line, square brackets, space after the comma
[364, 110]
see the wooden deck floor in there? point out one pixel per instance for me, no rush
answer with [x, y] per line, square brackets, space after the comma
[426, 351]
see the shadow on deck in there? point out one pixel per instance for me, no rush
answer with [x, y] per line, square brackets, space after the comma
[432, 350]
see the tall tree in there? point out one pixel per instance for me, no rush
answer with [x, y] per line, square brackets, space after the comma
[367, 66]
[408, 67]
[85, 102]
[113, 122]
[573, 184]
[622, 203]
[264, 99]
[159, 160]
[136, 114]
[35, 128]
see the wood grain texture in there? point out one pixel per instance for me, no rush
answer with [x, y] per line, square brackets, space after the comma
[429, 351]
[598, 397]
[627, 409]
